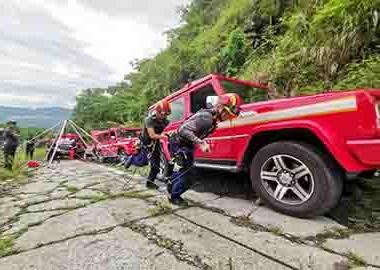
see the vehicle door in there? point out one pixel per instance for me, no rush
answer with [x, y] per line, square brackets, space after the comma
[221, 148]
[114, 146]
[250, 95]
[179, 110]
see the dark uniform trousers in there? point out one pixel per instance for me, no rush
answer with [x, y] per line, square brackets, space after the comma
[9, 156]
[182, 153]
[154, 157]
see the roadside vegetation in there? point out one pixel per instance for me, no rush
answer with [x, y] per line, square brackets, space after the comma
[306, 46]
[20, 171]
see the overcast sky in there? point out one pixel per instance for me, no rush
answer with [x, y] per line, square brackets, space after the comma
[50, 49]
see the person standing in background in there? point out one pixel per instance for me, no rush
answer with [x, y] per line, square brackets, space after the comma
[30, 147]
[11, 142]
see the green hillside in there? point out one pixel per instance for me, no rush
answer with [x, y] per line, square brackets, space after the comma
[306, 46]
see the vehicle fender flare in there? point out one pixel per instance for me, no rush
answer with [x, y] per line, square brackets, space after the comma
[332, 142]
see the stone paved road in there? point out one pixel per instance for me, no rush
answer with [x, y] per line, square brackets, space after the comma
[86, 216]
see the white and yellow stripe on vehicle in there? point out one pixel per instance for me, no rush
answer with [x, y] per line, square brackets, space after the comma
[347, 104]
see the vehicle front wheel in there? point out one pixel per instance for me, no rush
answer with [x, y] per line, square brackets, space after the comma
[296, 179]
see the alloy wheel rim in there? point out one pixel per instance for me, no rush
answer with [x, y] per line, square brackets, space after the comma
[287, 179]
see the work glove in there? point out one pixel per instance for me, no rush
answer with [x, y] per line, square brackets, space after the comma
[205, 147]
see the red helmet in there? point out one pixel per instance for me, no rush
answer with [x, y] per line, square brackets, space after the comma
[163, 107]
[231, 103]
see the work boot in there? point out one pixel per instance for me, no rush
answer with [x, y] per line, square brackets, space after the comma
[169, 184]
[178, 201]
[151, 185]
[169, 187]
[127, 162]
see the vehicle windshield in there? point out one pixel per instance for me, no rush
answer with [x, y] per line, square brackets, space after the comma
[66, 141]
[248, 93]
[128, 133]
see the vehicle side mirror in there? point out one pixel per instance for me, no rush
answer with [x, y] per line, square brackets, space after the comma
[211, 101]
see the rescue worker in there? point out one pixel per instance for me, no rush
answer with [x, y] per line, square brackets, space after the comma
[30, 147]
[11, 142]
[152, 132]
[193, 132]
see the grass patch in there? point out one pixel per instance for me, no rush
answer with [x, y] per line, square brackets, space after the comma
[166, 243]
[244, 221]
[63, 183]
[276, 230]
[162, 207]
[16, 175]
[19, 172]
[133, 194]
[6, 246]
[72, 189]
[333, 233]
[355, 260]
[138, 171]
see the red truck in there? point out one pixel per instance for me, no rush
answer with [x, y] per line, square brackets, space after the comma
[69, 141]
[114, 142]
[298, 151]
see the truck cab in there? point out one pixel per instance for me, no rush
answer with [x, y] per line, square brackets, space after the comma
[297, 151]
[193, 97]
[113, 142]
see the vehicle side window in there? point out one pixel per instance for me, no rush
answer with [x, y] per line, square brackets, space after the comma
[248, 94]
[198, 97]
[178, 110]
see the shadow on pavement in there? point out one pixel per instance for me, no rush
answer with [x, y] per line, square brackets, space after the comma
[224, 184]
[359, 207]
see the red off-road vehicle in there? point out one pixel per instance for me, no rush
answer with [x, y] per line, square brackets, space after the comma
[114, 142]
[298, 151]
[67, 142]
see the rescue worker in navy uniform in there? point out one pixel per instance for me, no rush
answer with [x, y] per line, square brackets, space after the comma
[11, 142]
[193, 132]
[154, 125]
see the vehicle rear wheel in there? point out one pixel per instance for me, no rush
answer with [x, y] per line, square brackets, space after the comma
[296, 179]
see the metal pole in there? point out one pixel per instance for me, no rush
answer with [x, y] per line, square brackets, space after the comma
[80, 136]
[85, 132]
[56, 143]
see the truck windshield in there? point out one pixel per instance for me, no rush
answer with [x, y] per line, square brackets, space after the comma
[248, 93]
[128, 133]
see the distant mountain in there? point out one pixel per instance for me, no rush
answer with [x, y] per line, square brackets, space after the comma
[40, 117]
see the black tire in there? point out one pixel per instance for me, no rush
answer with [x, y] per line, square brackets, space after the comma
[328, 178]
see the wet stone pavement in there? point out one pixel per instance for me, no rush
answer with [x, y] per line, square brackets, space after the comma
[86, 216]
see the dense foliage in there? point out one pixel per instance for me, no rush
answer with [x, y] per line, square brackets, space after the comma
[306, 46]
